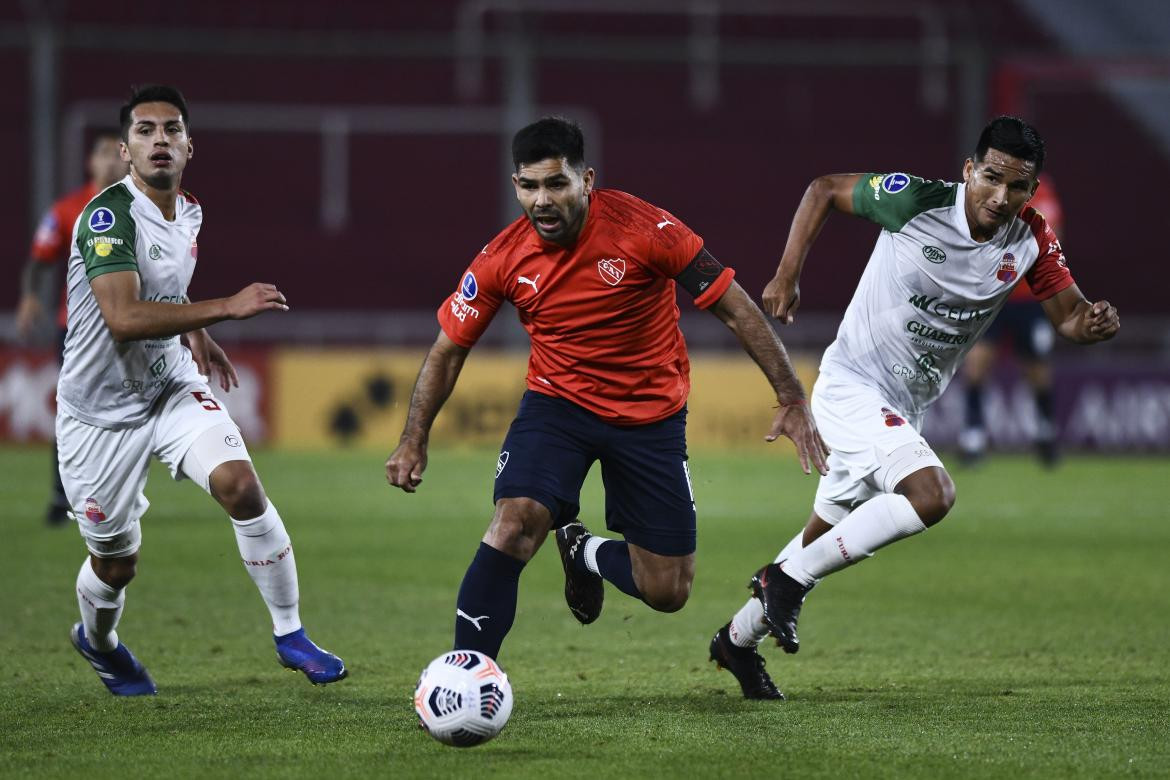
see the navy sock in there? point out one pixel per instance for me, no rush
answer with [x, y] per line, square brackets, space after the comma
[613, 564]
[974, 406]
[486, 605]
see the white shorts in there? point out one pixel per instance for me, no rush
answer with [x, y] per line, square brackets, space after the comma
[874, 446]
[104, 470]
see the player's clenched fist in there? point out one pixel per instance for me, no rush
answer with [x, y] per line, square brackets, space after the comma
[782, 299]
[796, 422]
[1103, 321]
[256, 298]
[405, 467]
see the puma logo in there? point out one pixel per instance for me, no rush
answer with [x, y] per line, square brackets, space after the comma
[472, 620]
[664, 223]
[526, 280]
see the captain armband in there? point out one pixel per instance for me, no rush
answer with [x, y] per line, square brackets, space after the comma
[700, 273]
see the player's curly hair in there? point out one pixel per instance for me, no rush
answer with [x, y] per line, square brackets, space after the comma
[1012, 135]
[552, 137]
[153, 93]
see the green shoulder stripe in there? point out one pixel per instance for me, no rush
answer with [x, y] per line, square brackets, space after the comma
[893, 199]
[106, 233]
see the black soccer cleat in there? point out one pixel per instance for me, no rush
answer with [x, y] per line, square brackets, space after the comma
[782, 598]
[584, 592]
[746, 664]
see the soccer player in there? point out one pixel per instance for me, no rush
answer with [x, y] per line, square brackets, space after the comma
[129, 389]
[592, 274]
[1024, 329]
[948, 256]
[51, 245]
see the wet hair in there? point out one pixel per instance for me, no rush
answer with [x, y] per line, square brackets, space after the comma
[552, 137]
[1013, 136]
[153, 93]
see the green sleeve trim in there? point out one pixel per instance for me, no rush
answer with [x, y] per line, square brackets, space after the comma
[107, 234]
[893, 199]
[92, 272]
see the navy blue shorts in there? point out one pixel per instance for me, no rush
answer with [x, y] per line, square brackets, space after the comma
[1025, 326]
[551, 445]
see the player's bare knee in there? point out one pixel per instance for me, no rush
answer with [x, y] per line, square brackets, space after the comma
[116, 572]
[932, 499]
[667, 597]
[238, 490]
[518, 527]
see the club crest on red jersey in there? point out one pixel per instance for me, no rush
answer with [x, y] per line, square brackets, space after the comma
[893, 420]
[612, 270]
[93, 511]
[1007, 268]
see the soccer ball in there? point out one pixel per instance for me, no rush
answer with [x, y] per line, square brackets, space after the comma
[463, 698]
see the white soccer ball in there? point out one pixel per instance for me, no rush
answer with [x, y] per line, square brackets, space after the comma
[463, 698]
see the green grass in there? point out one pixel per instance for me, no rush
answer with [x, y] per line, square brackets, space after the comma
[1027, 636]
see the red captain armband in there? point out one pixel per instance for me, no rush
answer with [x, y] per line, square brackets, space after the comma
[705, 278]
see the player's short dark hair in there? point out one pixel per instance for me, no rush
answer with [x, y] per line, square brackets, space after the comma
[104, 134]
[1012, 135]
[551, 137]
[153, 93]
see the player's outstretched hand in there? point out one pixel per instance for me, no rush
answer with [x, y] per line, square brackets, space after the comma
[1103, 321]
[405, 467]
[254, 299]
[212, 360]
[796, 422]
[782, 299]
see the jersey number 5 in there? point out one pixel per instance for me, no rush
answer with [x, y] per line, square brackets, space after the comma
[206, 401]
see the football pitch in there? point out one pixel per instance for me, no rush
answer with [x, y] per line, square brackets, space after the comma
[1026, 636]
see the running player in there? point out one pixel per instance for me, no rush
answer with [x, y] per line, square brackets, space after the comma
[50, 246]
[592, 274]
[1022, 328]
[129, 389]
[947, 258]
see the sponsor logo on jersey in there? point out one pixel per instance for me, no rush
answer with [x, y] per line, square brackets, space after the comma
[1007, 268]
[895, 182]
[101, 219]
[155, 252]
[612, 270]
[875, 184]
[469, 287]
[232, 440]
[461, 309]
[1054, 247]
[934, 254]
[892, 418]
[103, 245]
[158, 366]
[931, 333]
[950, 311]
[103, 250]
[923, 370]
[93, 511]
[501, 462]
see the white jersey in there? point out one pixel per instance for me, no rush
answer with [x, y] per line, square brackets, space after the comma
[930, 290]
[104, 383]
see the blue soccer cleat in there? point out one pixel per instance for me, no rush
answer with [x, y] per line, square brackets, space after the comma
[118, 669]
[297, 652]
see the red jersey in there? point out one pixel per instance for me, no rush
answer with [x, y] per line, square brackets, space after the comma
[1048, 205]
[601, 314]
[51, 241]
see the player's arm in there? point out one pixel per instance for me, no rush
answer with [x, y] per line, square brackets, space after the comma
[211, 359]
[132, 319]
[833, 192]
[36, 282]
[436, 380]
[793, 417]
[1080, 321]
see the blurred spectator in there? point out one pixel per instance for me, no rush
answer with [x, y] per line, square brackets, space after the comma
[50, 245]
[1023, 330]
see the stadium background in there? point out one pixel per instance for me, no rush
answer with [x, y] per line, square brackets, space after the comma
[355, 153]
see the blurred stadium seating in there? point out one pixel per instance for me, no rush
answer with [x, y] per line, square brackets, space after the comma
[355, 153]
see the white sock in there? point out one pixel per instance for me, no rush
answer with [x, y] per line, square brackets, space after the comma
[268, 556]
[101, 607]
[590, 552]
[747, 628]
[876, 523]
